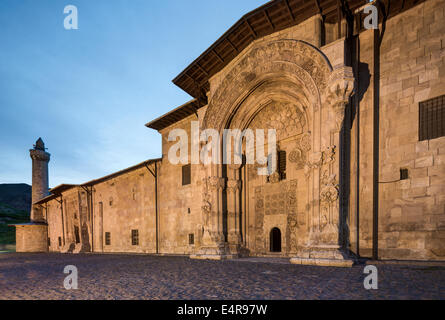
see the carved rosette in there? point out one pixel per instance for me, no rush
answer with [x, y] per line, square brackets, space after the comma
[274, 177]
[299, 154]
[337, 93]
[329, 192]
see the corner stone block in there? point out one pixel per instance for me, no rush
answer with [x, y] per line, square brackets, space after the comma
[424, 162]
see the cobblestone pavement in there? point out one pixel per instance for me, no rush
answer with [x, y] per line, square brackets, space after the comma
[40, 276]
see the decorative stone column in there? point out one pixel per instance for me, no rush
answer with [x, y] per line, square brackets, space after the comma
[325, 245]
[233, 216]
[213, 245]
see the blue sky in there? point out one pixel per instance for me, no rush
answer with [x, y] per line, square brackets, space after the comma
[89, 92]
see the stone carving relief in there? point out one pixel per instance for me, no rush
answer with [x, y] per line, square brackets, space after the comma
[329, 187]
[210, 186]
[233, 186]
[325, 93]
[295, 58]
[293, 224]
[276, 200]
[206, 207]
[340, 88]
[299, 154]
[319, 159]
[259, 219]
[329, 190]
[286, 118]
[274, 177]
[216, 183]
[252, 170]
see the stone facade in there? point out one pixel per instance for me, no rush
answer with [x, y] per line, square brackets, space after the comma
[411, 212]
[31, 238]
[292, 82]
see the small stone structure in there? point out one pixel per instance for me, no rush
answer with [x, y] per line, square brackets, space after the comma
[33, 236]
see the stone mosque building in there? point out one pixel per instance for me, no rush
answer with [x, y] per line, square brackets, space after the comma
[360, 121]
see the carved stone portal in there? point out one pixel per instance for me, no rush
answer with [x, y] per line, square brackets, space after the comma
[289, 86]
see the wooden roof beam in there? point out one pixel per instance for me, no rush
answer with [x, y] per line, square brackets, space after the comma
[266, 15]
[289, 10]
[232, 45]
[218, 56]
[252, 32]
[202, 69]
[317, 3]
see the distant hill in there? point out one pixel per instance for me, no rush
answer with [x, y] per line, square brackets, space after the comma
[15, 206]
[9, 215]
[17, 196]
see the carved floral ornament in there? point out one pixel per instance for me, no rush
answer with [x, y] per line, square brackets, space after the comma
[339, 89]
[299, 154]
[330, 189]
[233, 185]
[274, 177]
[216, 183]
[318, 159]
[302, 62]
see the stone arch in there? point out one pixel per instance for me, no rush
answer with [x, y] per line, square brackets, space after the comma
[282, 97]
[292, 60]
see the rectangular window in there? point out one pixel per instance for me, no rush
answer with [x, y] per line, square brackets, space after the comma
[60, 241]
[49, 242]
[107, 238]
[191, 239]
[282, 162]
[186, 175]
[404, 174]
[135, 237]
[77, 234]
[432, 118]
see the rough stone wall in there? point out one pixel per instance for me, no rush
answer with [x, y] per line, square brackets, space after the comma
[128, 202]
[411, 212]
[31, 238]
[55, 229]
[179, 206]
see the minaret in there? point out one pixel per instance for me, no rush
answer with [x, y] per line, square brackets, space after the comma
[40, 187]
[33, 236]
